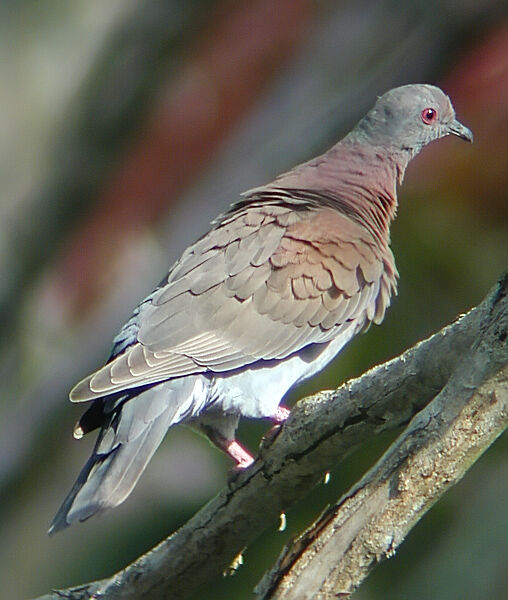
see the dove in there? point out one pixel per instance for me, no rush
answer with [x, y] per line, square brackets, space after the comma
[267, 298]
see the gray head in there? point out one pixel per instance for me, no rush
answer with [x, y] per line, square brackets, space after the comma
[408, 117]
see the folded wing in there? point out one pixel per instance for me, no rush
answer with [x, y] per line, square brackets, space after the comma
[266, 281]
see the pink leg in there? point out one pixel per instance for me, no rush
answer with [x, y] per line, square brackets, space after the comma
[239, 454]
[281, 414]
[231, 447]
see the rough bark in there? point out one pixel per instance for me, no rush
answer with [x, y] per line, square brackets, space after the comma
[462, 369]
[442, 441]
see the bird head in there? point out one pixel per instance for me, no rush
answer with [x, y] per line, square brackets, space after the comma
[408, 117]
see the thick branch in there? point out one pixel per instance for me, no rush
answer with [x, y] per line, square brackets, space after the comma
[321, 429]
[333, 557]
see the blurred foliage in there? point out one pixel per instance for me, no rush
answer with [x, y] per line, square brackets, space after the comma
[125, 128]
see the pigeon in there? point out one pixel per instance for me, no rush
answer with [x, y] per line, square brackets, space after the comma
[264, 300]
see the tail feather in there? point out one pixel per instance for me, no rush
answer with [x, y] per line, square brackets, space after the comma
[126, 443]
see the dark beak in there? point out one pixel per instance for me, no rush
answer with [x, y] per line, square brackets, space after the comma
[456, 128]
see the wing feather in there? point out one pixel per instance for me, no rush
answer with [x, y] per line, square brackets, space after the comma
[264, 283]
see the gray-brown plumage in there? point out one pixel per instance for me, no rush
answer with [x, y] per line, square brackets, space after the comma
[264, 300]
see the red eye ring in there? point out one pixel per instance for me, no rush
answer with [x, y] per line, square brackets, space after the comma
[429, 115]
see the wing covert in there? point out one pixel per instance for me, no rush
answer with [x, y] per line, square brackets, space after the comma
[264, 283]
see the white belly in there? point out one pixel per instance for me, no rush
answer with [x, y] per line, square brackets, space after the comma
[257, 391]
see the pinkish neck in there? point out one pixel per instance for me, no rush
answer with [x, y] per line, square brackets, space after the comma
[364, 178]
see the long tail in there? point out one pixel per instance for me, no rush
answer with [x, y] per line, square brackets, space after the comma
[126, 442]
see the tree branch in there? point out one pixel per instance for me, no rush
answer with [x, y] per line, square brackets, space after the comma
[321, 429]
[334, 556]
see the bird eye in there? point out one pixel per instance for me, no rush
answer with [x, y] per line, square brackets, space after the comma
[429, 115]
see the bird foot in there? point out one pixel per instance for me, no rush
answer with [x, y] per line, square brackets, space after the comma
[281, 414]
[279, 417]
[242, 458]
[239, 454]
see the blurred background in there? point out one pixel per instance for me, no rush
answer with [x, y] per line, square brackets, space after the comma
[124, 128]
